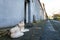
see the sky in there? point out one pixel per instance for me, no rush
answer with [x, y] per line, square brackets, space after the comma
[51, 6]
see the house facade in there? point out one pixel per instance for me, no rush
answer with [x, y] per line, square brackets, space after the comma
[14, 11]
[35, 9]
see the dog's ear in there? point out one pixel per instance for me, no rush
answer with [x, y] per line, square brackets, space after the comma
[18, 25]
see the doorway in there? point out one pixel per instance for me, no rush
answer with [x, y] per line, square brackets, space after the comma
[27, 12]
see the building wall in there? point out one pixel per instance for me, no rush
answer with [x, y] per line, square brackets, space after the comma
[36, 10]
[11, 12]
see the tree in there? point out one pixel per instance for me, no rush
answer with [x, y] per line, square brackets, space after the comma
[56, 16]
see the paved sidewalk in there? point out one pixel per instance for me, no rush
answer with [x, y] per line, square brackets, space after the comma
[35, 33]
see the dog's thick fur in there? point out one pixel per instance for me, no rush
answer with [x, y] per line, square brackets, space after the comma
[18, 30]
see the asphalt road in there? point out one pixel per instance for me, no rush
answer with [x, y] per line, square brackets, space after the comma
[49, 32]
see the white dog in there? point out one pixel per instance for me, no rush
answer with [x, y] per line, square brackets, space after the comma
[18, 30]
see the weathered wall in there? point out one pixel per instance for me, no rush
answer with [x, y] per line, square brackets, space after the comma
[36, 10]
[11, 12]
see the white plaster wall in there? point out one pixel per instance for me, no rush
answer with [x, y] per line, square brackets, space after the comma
[11, 12]
[36, 10]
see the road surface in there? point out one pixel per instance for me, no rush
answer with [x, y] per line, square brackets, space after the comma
[49, 32]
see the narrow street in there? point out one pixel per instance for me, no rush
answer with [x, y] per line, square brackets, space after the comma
[29, 20]
[47, 30]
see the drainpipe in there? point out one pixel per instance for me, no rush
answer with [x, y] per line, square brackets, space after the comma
[25, 12]
[29, 12]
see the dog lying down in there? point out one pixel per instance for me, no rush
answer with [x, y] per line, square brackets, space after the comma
[18, 30]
